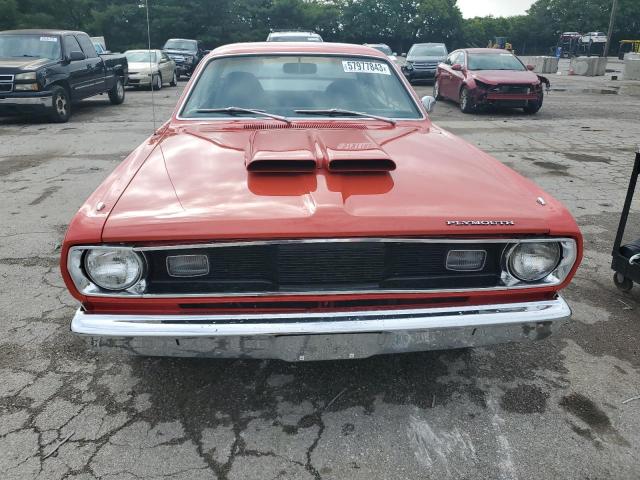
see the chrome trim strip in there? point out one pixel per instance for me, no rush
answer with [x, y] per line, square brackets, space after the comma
[46, 101]
[195, 80]
[89, 289]
[343, 240]
[314, 323]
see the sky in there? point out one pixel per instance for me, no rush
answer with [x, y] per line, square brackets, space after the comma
[497, 8]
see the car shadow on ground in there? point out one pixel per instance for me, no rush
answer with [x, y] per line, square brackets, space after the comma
[200, 389]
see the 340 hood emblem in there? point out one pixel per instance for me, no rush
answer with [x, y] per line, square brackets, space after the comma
[480, 222]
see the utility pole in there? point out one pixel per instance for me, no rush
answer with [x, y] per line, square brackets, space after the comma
[614, 6]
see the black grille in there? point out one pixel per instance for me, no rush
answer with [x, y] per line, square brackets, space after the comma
[513, 88]
[425, 66]
[324, 266]
[6, 83]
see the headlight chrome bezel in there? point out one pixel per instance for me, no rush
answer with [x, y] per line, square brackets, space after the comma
[568, 256]
[87, 285]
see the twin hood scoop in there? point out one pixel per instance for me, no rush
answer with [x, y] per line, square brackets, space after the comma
[303, 151]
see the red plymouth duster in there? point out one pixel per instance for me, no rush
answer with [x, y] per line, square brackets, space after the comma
[299, 204]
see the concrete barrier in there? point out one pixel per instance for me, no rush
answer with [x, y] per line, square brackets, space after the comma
[632, 67]
[631, 55]
[588, 66]
[542, 64]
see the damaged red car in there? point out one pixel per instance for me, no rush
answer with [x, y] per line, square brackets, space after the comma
[480, 77]
[299, 204]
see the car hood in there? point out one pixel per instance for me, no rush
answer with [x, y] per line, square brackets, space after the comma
[426, 59]
[23, 63]
[179, 52]
[142, 66]
[195, 186]
[504, 76]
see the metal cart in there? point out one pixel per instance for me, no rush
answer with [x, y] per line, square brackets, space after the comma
[626, 258]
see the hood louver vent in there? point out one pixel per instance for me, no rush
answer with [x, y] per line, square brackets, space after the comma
[304, 125]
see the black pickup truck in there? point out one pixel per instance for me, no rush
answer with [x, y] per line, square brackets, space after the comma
[43, 72]
[186, 53]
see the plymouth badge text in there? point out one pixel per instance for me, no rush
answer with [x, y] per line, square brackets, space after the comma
[480, 222]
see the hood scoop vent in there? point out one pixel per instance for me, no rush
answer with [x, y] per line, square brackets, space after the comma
[353, 165]
[287, 152]
[354, 152]
[304, 151]
[281, 165]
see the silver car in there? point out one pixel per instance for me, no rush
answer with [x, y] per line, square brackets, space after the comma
[151, 68]
[293, 36]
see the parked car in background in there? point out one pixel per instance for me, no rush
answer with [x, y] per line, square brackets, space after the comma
[42, 72]
[151, 68]
[386, 49]
[476, 77]
[299, 204]
[186, 53]
[422, 61]
[594, 37]
[100, 50]
[293, 36]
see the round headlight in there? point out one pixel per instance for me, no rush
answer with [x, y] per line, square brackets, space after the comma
[532, 261]
[113, 269]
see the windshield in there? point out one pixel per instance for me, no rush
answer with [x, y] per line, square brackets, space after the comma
[188, 45]
[382, 48]
[285, 83]
[428, 51]
[138, 57]
[37, 46]
[494, 61]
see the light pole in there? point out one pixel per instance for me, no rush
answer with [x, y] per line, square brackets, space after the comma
[614, 5]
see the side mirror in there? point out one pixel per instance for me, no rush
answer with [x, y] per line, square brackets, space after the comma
[429, 103]
[531, 67]
[457, 67]
[75, 56]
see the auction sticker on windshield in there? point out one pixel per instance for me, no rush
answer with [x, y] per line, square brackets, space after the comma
[355, 66]
[48, 39]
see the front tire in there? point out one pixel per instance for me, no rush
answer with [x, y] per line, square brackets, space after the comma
[466, 104]
[116, 94]
[174, 80]
[61, 110]
[156, 82]
[533, 106]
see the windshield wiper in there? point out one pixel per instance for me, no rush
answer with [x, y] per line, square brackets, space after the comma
[339, 111]
[236, 110]
[25, 55]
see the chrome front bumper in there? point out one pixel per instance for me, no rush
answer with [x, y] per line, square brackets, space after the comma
[43, 100]
[321, 336]
[138, 80]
